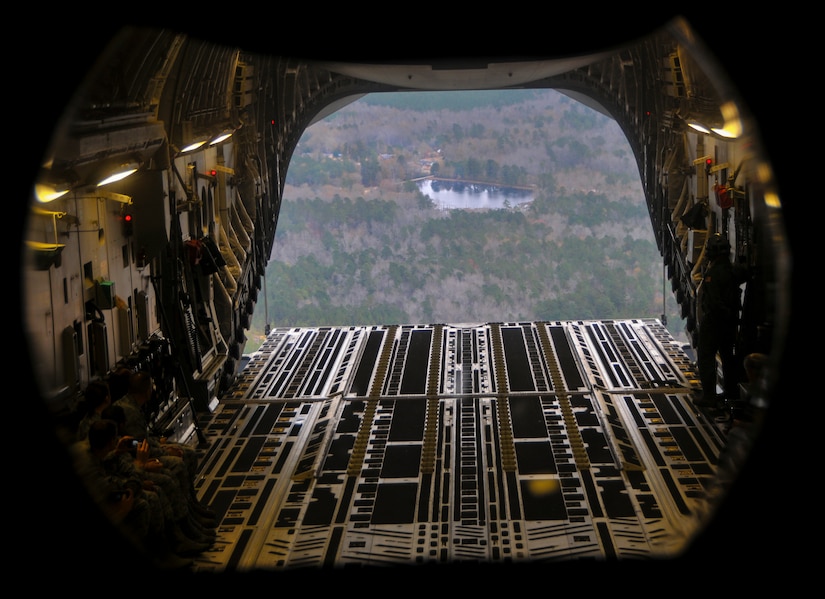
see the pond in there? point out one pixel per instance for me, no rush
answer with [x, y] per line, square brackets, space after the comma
[449, 195]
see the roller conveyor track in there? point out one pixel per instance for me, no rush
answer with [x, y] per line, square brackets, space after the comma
[576, 441]
[529, 441]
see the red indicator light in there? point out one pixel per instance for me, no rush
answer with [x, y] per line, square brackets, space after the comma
[127, 223]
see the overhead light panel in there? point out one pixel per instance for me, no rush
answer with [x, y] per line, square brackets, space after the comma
[728, 127]
[733, 122]
[222, 137]
[121, 173]
[193, 146]
[722, 132]
[697, 126]
[46, 192]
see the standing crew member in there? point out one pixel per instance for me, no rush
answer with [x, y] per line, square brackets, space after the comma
[719, 301]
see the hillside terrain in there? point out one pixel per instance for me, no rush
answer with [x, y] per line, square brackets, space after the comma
[358, 243]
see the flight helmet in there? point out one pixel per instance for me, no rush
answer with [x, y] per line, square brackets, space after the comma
[717, 245]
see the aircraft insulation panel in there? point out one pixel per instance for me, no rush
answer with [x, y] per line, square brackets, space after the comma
[420, 444]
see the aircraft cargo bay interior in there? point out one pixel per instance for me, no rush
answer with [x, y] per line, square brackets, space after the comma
[545, 443]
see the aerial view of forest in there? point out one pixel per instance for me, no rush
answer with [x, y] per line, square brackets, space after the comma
[357, 242]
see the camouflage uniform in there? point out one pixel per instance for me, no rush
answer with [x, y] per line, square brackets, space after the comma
[136, 426]
[86, 423]
[144, 521]
[173, 502]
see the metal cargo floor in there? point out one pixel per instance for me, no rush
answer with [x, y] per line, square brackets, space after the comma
[424, 444]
